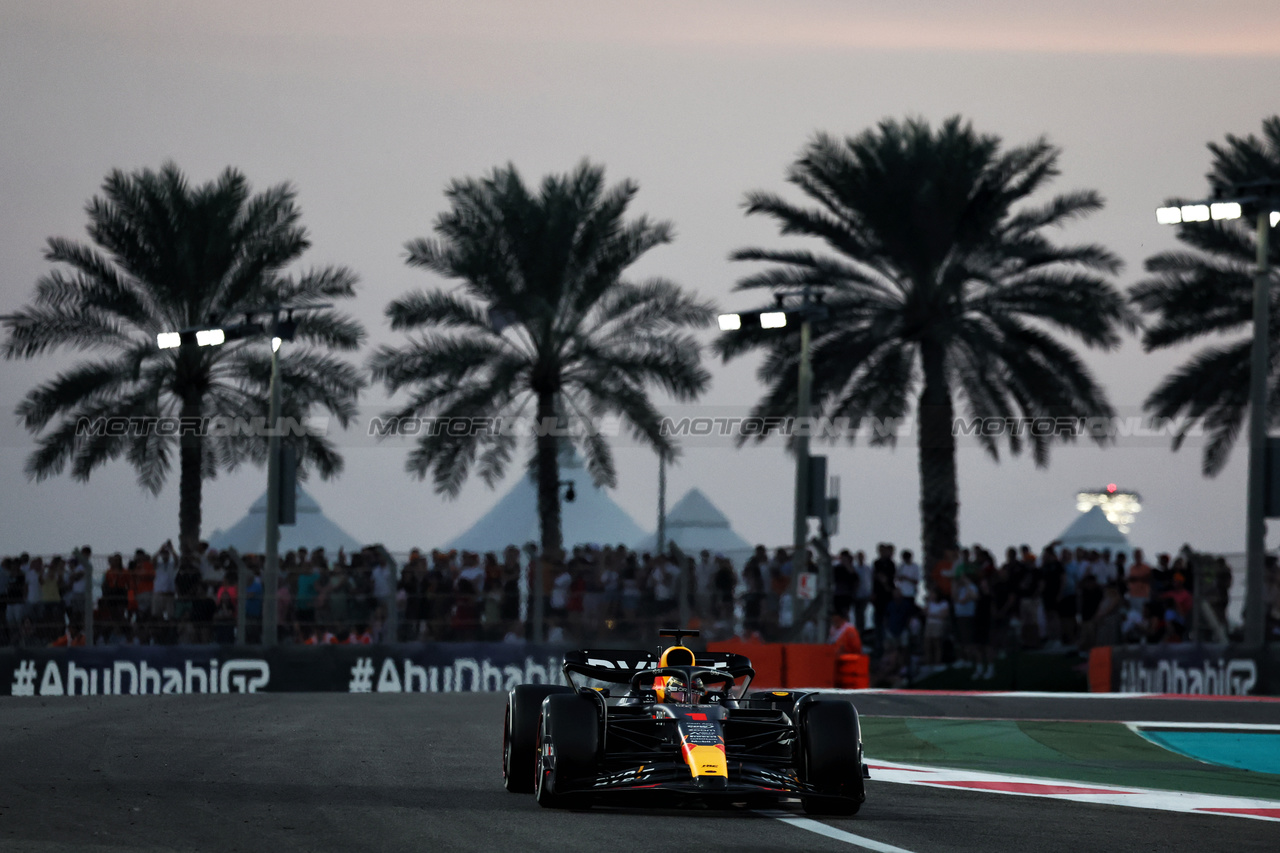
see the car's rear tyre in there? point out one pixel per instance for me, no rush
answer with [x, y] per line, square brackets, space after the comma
[520, 733]
[566, 750]
[831, 739]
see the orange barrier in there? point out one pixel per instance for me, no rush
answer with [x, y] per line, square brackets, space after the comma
[853, 672]
[791, 664]
[809, 665]
[1100, 669]
[766, 659]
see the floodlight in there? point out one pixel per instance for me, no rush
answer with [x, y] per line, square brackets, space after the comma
[1195, 213]
[730, 322]
[1169, 215]
[210, 337]
[1225, 210]
[169, 340]
[773, 319]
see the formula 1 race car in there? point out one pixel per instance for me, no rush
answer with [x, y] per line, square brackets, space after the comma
[683, 728]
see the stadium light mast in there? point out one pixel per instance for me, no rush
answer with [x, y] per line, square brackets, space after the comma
[281, 329]
[809, 309]
[1263, 200]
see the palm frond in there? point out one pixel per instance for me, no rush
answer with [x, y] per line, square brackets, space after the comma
[165, 255]
[551, 263]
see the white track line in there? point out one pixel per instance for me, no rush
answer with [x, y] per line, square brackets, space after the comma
[1081, 792]
[1029, 694]
[1243, 727]
[831, 832]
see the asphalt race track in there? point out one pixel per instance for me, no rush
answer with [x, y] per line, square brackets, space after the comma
[421, 772]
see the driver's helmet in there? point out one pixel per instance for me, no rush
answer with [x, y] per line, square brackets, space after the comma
[676, 691]
[672, 689]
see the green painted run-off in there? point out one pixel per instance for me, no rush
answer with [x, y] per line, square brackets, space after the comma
[1101, 753]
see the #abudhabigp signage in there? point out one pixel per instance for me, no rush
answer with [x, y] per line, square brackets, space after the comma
[1189, 670]
[53, 677]
[157, 670]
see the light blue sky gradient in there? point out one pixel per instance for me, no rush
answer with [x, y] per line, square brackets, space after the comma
[371, 108]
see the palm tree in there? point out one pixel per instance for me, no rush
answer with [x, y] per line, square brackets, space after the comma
[1207, 290]
[166, 256]
[938, 288]
[543, 319]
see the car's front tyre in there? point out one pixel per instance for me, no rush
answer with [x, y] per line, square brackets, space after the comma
[831, 739]
[567, 749]
[520, 731]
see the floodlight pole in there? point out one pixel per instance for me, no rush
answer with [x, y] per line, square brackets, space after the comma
[280, 332]
[1262, 198]
[271, 569]
[662, 502]
[1255, 533]
[800, 538]
[811, 308]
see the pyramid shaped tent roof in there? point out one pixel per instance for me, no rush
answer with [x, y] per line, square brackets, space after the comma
[591, 518]
[1094, 531]
[695, 524]
[313, 530]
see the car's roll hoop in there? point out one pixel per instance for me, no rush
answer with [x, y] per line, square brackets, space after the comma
[686, 675]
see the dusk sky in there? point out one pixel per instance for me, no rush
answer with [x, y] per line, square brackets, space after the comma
[371, 108]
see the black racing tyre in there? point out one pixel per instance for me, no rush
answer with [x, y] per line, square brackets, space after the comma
[520, 733]
[567, 750]
[831, 740]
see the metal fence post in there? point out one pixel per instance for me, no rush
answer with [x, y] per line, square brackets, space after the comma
[242, 582]
[1197, 584]
[390, 627]
[539, 605]
[683, 585]
[88, 604]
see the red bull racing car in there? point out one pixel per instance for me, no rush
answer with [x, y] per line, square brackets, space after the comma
[680, 727]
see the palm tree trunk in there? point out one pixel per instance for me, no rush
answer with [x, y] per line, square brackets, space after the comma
[548, 466]
[190, 480]
[939, 501]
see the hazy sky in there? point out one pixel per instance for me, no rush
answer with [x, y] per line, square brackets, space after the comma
[371, 108]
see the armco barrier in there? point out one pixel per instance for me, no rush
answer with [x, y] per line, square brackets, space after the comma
[400, 668]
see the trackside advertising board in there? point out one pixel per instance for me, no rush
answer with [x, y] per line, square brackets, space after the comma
[1198, 670]
[400, 668]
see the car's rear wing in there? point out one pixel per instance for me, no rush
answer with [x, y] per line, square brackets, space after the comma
[617, 666]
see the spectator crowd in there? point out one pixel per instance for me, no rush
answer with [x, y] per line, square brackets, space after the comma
[972, 608]
[966, 611]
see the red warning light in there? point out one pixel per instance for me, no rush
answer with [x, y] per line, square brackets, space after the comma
[1111, 488]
